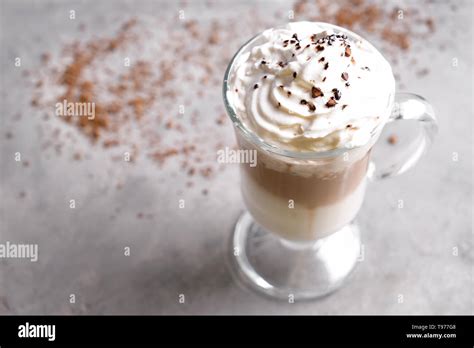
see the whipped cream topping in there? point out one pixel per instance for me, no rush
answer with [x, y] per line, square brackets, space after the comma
[309, 87]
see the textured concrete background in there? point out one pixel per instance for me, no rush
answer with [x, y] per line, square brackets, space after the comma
[423, 252]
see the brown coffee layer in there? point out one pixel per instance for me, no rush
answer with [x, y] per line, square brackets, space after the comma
[309, 190]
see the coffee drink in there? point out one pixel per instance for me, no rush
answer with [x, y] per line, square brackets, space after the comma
[311, 102]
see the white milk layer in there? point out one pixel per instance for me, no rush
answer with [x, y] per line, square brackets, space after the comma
[296, 222]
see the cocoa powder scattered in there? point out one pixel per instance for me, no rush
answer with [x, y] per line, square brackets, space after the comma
[140, 94]
[143, 97]
[366, 17]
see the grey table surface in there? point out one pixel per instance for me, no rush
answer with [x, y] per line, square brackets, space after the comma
[417, 260]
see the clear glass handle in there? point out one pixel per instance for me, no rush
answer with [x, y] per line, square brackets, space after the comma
[419, 136]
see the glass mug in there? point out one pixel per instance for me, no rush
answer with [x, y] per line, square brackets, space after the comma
[299, 238]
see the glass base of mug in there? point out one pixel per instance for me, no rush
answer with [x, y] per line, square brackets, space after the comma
[291, 270]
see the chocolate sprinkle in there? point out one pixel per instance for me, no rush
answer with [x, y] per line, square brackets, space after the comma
[311, 106]
[319, 48]
[255, 86]
[316, 92]
[303, 102]
[326, 66]
[331, 102]
[344, 106]
[294, 74]
[321, 59]
[347, 52]
[392, 139]
[337, 93]
[345, 76]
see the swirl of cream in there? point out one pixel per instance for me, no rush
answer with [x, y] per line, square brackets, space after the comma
[308, 87]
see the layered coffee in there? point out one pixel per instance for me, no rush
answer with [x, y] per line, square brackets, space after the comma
[311, 102]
